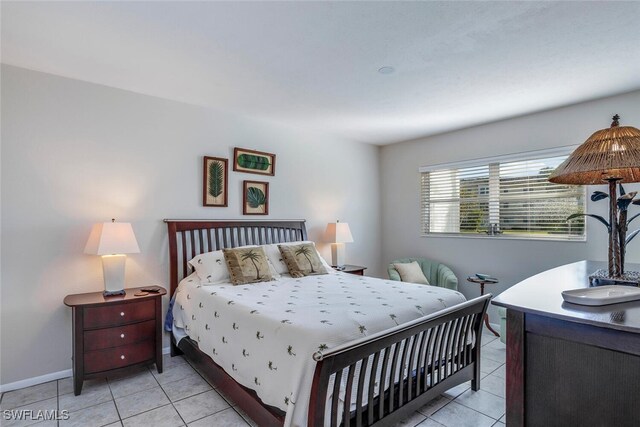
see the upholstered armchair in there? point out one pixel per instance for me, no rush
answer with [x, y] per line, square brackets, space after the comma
[437, 274]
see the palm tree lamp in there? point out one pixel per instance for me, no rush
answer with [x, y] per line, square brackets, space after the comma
[338, 234]
[112, 240]
[610, 155]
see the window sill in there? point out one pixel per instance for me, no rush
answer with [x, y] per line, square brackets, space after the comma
[505, 237]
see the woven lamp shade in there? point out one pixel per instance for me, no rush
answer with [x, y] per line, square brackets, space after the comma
[608, 153]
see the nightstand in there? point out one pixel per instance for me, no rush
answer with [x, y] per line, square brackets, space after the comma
[352, 269]
[114, 333]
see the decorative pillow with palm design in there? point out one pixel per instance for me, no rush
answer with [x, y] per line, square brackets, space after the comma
[247, 265]
[302, 260]
[277, 260]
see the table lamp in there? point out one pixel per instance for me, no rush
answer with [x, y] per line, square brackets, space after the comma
[112, 240]
[610, 155]
[338, 234]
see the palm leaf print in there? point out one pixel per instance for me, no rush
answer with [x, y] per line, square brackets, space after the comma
[304, 250]
[252, 256]
[216, 178]
[393, 317]
[256, 198]
[252, 161]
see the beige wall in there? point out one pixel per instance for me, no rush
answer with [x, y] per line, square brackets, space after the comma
[75, 153]
[509, 260]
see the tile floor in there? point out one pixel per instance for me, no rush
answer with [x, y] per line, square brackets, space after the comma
[181, 396]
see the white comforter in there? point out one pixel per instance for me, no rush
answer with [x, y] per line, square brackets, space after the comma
[264, 335]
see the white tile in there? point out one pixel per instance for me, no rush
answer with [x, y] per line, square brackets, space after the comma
[496, 354]
[201, 405]
[501, 372]
[116, 424]
[499, 424]
[246, 417]
[141, 381]
[429, 423]
[140, 402]
[494, 384]
[434, 405]
[503, 419]
[497, 344]
[226, 418]
[128, 373]
[456, 391]
[174, 373]
[484, 402]
[165, 416]
[41, 405]
[456, 415]
[488, 338]
[487, 366]
[93, 416]
[412, 420]
[98, 393]
[65, 385]
[192, 384]
[169, 362]
[24, 396]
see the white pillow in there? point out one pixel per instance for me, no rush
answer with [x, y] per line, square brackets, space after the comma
[274, 255]
[411, 272]
[211, 268]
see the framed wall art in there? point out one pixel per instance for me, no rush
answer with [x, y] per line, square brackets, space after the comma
[214, 185]
[255, 198]
[250, 161]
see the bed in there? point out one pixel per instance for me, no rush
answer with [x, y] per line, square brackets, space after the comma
[362, 373]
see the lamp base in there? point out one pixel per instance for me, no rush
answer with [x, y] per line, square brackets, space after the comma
[601, 278]
[337, 254]
[113, 293]
[113, 271]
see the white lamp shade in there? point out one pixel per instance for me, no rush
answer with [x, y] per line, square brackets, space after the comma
[338, 232]
[109, 238]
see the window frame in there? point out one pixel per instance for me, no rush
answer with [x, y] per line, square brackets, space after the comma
[488, 162]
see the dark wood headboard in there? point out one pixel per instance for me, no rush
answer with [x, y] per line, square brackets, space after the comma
[191, 237]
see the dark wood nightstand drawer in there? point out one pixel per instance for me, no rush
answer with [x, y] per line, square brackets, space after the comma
[120, 314]
[119, 335]
[116, 357]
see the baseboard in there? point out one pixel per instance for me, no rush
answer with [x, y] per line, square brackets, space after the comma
[28, 382]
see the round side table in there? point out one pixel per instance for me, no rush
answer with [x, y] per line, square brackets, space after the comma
[483, 282]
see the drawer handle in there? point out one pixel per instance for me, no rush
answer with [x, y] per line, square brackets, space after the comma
[122, 357]
[121, 335]
[122, 314]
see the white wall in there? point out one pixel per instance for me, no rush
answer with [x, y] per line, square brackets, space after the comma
[509, 260]
[76, 153]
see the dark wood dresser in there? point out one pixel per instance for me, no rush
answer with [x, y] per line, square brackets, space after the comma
[569, 364]
[116, 332]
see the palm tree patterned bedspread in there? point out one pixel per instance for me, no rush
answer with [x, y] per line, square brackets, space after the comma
[264, 334]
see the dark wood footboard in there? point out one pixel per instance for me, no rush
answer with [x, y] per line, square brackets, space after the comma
[412, 364]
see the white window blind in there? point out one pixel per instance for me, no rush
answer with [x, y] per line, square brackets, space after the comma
[508, 196]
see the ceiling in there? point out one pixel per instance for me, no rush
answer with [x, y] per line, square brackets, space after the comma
[314, 65]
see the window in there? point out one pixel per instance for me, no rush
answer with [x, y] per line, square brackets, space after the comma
[503, 196]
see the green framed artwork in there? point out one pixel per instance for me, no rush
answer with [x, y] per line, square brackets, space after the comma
[214, 185]
[251, 161]
[255, 198]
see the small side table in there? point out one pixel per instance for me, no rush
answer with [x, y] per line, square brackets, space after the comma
[352, 269]
[115, 332]
[483, 282]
